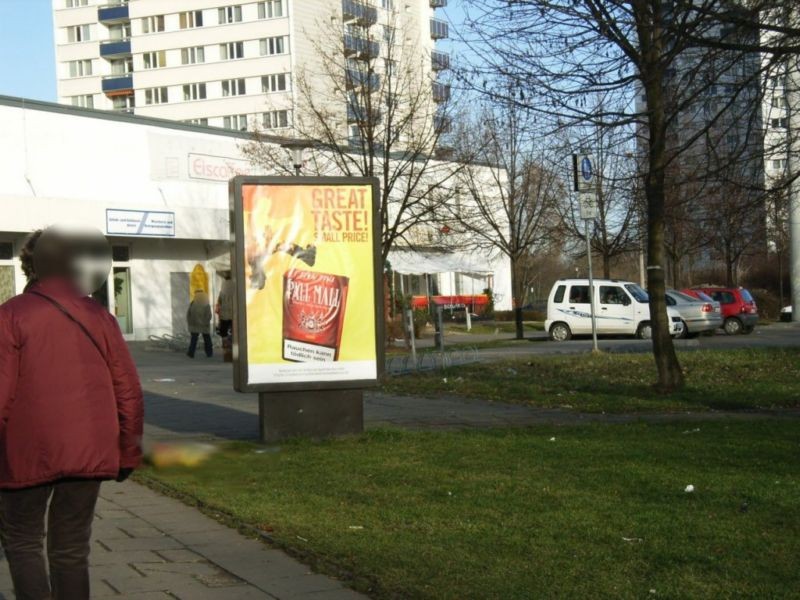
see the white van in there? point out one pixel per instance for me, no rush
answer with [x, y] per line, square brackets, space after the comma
[621, 308]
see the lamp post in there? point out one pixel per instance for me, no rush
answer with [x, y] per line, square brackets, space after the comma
[297, 149]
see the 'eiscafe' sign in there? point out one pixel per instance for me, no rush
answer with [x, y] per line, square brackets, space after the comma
[218, 168]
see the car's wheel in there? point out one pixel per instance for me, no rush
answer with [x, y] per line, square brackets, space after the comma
[645, 331]
[560, 332]
[685, 332]
[748, 329]
[733, 326]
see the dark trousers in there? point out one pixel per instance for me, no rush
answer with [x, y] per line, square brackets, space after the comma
[206, 342]
[225, 326]
[69, 529]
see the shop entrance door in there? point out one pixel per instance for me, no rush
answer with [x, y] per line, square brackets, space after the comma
[122, 299]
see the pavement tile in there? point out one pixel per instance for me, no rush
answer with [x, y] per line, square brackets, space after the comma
[121, 545]
[180, 555]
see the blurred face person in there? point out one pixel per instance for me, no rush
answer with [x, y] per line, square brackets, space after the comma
[61, 353]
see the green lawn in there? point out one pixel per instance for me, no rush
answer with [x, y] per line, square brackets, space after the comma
[730, 379]
[598, 512]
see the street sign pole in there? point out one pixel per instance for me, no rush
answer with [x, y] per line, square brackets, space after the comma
[586, 223]
[586, 184]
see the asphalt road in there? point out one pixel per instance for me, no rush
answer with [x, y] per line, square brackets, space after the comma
[776, 335]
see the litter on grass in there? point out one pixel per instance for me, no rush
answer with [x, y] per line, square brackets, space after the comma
[356, 527]
[689, 489]
[165, 380]
[632, 540]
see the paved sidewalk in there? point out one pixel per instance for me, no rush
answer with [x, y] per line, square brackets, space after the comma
[150, 547]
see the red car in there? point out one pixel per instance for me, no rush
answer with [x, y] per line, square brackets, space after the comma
[739, 309]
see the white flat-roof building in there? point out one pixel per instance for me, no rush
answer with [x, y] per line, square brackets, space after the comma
[158, 189]
[224, 63]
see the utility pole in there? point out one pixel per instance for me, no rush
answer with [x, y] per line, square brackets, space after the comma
[587, 184]
[793, 169]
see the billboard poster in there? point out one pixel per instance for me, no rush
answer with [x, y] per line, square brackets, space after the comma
[307, 266]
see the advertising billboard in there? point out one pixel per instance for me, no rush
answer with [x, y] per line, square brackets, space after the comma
[306, 260]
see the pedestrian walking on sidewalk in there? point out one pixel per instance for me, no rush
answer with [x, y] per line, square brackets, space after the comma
[70, 413]
[198, 318]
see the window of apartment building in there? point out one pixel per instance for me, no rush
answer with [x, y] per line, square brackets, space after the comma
[387, 4]
[121, 31]
[122, 66]
[124, 103]
[192, 56]
[779, 102]
[84, 101]
[276, 119]
[779, 164]
[153, 24]
[279, 82]
[200, 121]
[79, 33]
[230, 14]
[76, 3]
[194, 91]
[781, 123]
[274, 45]
[271, 9]
[155, 60]
[159, 95]
[191, 19]
[80, 68]
[233, 87]
[231, 50]
[238, 122]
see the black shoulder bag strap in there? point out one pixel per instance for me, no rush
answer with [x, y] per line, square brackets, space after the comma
[74, 320]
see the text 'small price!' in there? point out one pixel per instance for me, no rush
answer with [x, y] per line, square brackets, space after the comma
[308, 266]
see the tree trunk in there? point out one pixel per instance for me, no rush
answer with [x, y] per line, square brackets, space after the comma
[670, 375]
[606, 265]
[518, 295]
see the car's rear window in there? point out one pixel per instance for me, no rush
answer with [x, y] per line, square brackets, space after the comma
[724, 297]
[560, 291]
[579, 294]
[746, 296]
[704, 296]
[684, 297]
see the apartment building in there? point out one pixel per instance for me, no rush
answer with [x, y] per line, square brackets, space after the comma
[223, 63]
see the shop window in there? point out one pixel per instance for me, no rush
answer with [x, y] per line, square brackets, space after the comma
[120, 253]
[6, 251]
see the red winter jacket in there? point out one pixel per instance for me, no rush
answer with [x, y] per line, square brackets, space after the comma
[65, 410]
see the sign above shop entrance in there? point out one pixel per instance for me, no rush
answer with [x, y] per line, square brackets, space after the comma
[147, 223]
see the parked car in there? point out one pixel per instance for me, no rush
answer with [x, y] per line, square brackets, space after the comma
[621, 308]
[699, 316]
[786, 313]
[739, 309]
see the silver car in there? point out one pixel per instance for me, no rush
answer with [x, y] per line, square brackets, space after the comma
[699, 316]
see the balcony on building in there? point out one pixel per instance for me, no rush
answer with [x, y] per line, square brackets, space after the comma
[115, 48]
[360, 47]
[360, 114]
[438, 3]
[442, 124]
[360, 12]
[440, 61]
[115, 12]
[439, 29]
[115, 85]
[355, 78]
[441, 92]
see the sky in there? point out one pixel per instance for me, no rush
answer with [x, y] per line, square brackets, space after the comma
[27, 57]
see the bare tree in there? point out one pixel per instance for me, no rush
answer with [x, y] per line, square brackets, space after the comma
[511, 197]
[374, 105]
[659, 62]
